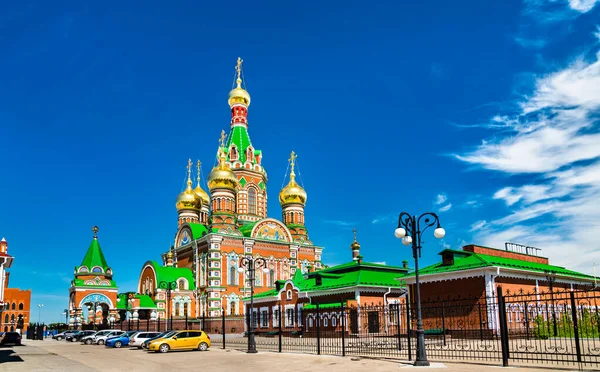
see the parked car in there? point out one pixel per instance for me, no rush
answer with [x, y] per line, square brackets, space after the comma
[163, 334]
[62, 335]
[78, 335]
[121, 340]
[101, 339]
[138, 339]
[88, 340]
[181, 340]
[8, 338]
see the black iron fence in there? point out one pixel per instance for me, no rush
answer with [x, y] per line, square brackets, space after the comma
[511, 328]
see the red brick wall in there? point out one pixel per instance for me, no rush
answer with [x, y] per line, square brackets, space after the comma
[17, 297]
[505, 254]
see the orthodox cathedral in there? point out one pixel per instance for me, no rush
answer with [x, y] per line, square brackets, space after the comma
[219, 227]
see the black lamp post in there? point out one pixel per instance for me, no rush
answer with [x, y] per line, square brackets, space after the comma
[66, 313]
[251, 264]
[551, 278]
[169, 286]
[128, 297]
[410, 230]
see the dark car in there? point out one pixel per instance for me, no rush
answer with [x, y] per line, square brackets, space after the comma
[9, 338]
[77, 336]
[62, 335]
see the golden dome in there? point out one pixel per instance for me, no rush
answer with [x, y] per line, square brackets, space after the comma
[188, 199]
[292, 193]
[239, 94]
[199, 191]
[221, 177]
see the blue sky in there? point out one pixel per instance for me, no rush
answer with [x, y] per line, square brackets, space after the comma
[486, 112]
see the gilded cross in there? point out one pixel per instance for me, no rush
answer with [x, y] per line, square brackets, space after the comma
[292, 160]
[198, 168]
[238, 67]
[95, 230]
[354, 231]
[189, 168]
[222, 139]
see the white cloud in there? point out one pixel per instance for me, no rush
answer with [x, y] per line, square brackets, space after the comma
[555, 139]
[446, 207]
[340, 223]
[441, 199]
[582, 6]
[384, 218]
[478, 225]
[597, 33]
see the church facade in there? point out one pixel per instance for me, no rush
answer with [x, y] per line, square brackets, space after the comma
[216, 229]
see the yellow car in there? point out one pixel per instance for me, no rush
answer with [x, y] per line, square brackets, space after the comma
[181, 340]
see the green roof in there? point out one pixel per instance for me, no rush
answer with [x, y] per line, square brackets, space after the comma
[145, 301]
[94, 257]
[352, 274]
[240, 138]
[81, 283]
[246, 229]
[464, 260]
[170, 274]
[198, 230]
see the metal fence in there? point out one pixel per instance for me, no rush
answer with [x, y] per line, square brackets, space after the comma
[557, 328]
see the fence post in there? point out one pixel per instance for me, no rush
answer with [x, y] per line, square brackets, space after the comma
[503, 327]
[343, 329]
[318, 331]
[223, 325]
[138, 324]
[147, 323]
[157, 322]
[444, 321]
[575, 326]
[480, 323]
[408, 320]
[280, 328]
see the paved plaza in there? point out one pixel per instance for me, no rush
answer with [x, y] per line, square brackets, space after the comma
[73, 357]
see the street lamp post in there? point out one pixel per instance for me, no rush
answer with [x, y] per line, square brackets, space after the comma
[551, 278]
[66, 314]
[95, 304]
[410, 230]
[169, 286]
[129, 296]
[40, 312]
[250, 265]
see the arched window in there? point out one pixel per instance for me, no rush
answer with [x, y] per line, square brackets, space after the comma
[232, 275]
[12, 318]
[251, 200]
[185, 309]
[21, 306]
[272, 278]
[14, 306]
[6, 318]
[5, 329]
[182, 285]
[177, 309]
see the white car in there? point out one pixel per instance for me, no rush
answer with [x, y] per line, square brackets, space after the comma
[138, 339]
[100, 339]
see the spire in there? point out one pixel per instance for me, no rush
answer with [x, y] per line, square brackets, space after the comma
[198, 173]
[292, 161]
[238, 69]
[355, 247]
[189, 170]
[94, 256]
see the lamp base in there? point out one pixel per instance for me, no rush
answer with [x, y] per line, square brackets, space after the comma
[421, 363]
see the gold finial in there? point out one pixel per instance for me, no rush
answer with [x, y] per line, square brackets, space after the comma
[95, 230]
[198, 174]
[292, 161]
[222, 139]
[189, 170]
[238, 68]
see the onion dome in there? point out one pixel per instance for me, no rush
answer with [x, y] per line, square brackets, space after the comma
[239, 94]
[203, 195]
[188, 199]
[292, 193]
[221, 177]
